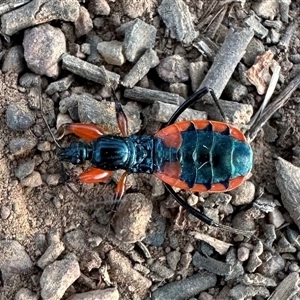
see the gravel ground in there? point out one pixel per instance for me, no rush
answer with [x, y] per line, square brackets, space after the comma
[55, 240]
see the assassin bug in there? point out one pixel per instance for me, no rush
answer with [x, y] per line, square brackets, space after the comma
[198, 155]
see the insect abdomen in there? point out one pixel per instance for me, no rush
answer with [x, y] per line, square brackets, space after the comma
[202, 159]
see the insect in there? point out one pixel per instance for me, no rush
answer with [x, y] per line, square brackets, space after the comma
[196, 155]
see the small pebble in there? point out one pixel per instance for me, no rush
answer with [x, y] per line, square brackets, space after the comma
[5, 212]
[243, 253]
[99, 7]
[173, 69]
[33, 180]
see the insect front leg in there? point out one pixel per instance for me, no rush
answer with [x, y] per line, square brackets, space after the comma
[89, 132]
[95, 175]
[121, 116]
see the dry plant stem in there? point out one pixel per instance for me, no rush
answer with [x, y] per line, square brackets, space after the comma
[215, 22]
[269, 93]
[8, 5]
[279, 102]
[287, 36]
[226, 60]
[88, 70]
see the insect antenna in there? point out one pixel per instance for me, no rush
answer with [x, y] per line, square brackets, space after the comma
[67, 177]
[192, 99]
[120, 115]
[39, 86]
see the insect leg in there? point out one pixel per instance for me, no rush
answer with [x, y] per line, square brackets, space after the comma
[120, 190]
[95, 175]
[191, 100]
[120, 114]
[201, 216]
[89, 132]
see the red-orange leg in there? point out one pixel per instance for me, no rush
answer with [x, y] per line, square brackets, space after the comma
[120, 190]
[89, 132]
[121, 117]
[95, 175]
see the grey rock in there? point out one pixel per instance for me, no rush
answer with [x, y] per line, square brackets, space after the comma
[51, 254]
[293, 237]
[28, 80]
[44, 146]
[84, 23]
[43, 47]
[4, 212]
[58, 277]
[274, 36]
[139, 37]
[24, 169]
[38, 12]
[254, 48]
[212, 265]
[237, 269]
[32, 180]
[161, 270]
[276, 218]
[176, 16]
[14, 60]
[103, 114]
[288, 182]
[76, 241]
[131, 218]
[284, 246]
[275, 24]
[259, 30]
[26, 294]
[271, 267]
[105, 294]
[244, 194]
[147, 61]
[186, 259]
[269, 235]
[99, 7]
[122, 271]
[235, 90]
[158, 188]
[266, 9]
[112, 52]
[197, 73]
[243, 253]
[14, 260]
[18, 146]
[54, 179]
[241, 292]
[257, 279]
[137, 8]
[19, 117]
[181, 89]
[265, 204]
[173, 69]
[94, 56]
[60, 85]
[254, 261]
[186, 288]
[173, 259]
[155, 234]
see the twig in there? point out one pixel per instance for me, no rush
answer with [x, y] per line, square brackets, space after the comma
[280, 101]
[268, 95]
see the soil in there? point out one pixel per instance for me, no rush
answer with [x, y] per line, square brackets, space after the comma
[70, 205]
